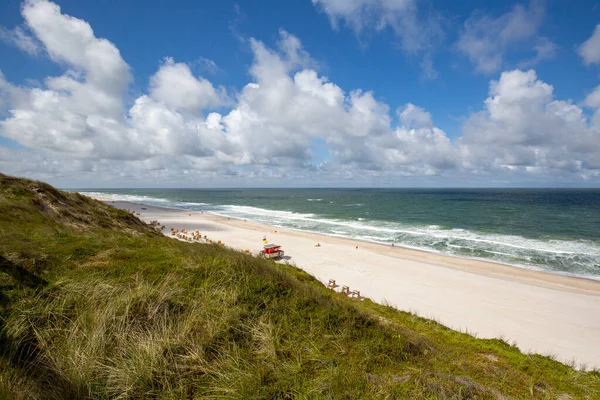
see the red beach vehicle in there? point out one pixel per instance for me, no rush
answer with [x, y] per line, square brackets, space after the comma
[271, 251]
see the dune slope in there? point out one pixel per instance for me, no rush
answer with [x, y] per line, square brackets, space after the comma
[94, 303]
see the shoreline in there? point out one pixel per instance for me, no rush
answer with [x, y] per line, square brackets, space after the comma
[542, 312]
[475, 265]
[428, 251]
[405, 249]
[577, 283]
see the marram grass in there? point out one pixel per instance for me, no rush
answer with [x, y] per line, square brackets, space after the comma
[94, 304]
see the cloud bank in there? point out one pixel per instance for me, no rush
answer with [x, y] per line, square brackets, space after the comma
[288, 124]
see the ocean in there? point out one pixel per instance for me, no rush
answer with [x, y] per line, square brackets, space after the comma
[555, 230]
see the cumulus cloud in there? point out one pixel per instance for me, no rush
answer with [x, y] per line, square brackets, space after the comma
[287, 105]
[291, 106]
[176, 87]
[524, 128]
[485, 40]
[186, 129]
[274, 121]
[82, 113]
[75, 112]
[590, 49]
[71, 40]
[413, 116]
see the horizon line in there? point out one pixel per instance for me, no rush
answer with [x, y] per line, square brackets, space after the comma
[339, 187]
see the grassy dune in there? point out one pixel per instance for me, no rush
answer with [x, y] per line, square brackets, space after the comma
[95, 304]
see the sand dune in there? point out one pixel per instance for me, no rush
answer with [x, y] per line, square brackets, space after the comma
[540, 312]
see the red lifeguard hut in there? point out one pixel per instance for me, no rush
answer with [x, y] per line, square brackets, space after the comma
[271, 251]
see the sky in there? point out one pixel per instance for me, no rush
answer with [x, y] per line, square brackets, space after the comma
[301, 93]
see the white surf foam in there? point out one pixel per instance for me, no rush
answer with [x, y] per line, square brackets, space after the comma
[142, 199]
[554, 255]
[125, 197]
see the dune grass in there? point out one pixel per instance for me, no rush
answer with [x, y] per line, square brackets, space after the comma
[94, 304]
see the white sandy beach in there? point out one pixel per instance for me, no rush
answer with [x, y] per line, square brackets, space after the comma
[540, 312]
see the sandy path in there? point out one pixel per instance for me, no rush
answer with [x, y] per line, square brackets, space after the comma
[541, 312]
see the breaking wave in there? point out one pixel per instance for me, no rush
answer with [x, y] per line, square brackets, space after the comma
[573, 257]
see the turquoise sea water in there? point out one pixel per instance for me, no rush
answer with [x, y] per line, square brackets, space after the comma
[556, 230]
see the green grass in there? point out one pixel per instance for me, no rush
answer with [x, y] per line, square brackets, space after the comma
[94, 304]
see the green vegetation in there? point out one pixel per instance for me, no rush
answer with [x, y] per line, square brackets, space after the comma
[94, 304]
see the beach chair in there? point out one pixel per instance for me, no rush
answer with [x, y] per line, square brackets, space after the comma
[346, 290]
[355, 294]
[331, 284]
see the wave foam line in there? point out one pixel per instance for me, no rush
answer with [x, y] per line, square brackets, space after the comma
[141, 199]
[451, 236]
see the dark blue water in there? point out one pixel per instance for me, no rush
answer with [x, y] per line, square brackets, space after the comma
[549, 229]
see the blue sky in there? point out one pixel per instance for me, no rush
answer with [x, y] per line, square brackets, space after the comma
[365, 48]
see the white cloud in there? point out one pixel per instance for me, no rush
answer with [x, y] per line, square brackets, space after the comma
[593, 101]
[209, 66]
[544, 50]
[523, 128]
[176, 87]
[486, 40]
[414, 117]
[21, 39]
[590, 49]
[77, 125]
[362, 13]
[80, 111]
[287, 105]
[274, 121]
[419, 31]
[71, 40]
[9, 94]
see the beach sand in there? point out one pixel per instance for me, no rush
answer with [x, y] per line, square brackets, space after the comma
[540, 312]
